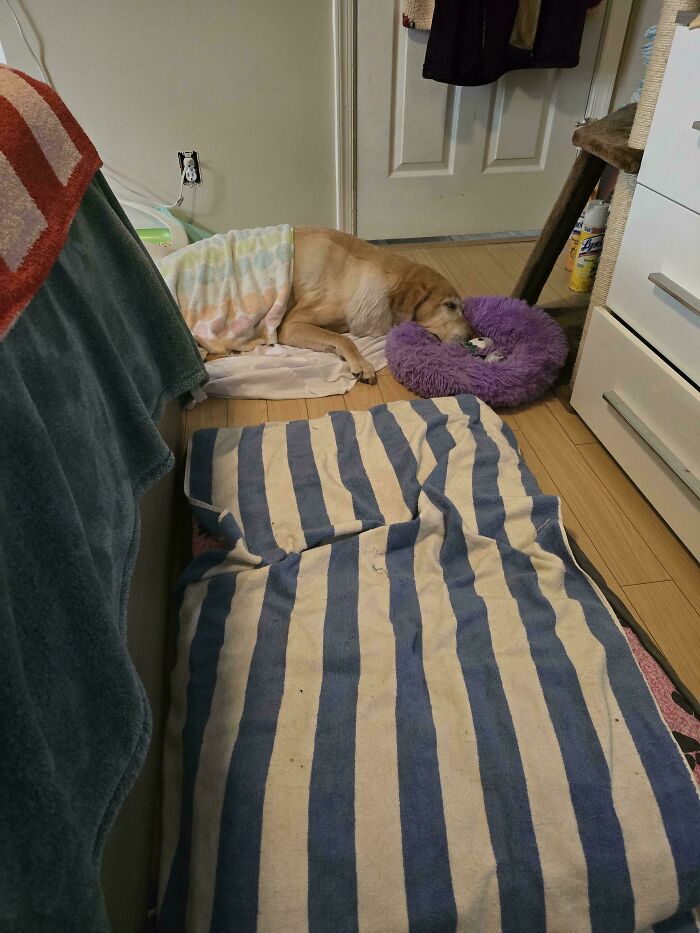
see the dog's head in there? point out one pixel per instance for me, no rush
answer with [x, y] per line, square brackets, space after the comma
[441, 314]
[432, 302]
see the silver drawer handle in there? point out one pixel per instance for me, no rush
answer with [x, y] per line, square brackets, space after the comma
[654, 441]
[686, 298]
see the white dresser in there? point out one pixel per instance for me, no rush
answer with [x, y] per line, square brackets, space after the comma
[639, 371]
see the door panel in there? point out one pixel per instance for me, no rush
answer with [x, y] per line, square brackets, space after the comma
[423, 115]
[435, 160]
[521, 119]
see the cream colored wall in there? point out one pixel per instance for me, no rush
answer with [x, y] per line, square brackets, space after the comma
[645, 13]
[248, 83]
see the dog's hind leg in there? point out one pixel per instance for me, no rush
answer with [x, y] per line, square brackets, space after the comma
[310, 336]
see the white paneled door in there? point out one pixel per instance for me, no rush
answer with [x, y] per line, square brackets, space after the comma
[436, 160]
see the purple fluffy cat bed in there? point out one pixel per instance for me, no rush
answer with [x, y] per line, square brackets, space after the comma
[524, 350]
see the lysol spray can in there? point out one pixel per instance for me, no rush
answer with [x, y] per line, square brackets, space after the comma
[590, 246]
[572, 252]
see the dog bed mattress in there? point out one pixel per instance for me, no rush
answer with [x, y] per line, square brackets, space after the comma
[400, 703]
[529, 345]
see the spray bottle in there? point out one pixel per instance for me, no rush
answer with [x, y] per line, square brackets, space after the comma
[574, 239]
[590, 246]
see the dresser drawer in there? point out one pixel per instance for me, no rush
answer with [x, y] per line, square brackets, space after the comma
[671, 163]
[661, 239]
[647, 416]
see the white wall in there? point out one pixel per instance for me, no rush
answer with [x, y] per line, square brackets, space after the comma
[248, 83]
[645, 13]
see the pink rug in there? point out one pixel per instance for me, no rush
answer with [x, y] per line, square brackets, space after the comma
[675, 709]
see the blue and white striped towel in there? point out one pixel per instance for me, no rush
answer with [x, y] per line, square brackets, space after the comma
[399, 704]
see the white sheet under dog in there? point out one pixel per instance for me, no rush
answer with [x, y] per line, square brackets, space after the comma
[280, 372]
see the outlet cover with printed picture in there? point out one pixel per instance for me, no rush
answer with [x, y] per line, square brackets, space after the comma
[189, 165]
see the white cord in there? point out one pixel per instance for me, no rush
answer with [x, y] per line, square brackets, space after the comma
[26, 42]
[141, 193]
[181, 196]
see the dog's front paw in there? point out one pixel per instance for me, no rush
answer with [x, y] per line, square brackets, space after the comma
[364, 371]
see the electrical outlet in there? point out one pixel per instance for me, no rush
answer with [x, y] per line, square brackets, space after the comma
[189, 165]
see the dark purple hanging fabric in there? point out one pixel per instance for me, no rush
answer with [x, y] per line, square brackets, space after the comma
[469, 41]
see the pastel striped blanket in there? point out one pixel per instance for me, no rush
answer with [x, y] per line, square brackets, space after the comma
[399, 704]
[233, 288]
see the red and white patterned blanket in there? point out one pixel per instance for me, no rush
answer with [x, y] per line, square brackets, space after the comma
[46, 163]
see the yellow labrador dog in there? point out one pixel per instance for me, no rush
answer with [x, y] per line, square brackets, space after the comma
[344, 285]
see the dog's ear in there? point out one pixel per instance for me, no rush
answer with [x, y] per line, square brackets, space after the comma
[409, 299]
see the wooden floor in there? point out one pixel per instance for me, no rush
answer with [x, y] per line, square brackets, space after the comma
[637, 554]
